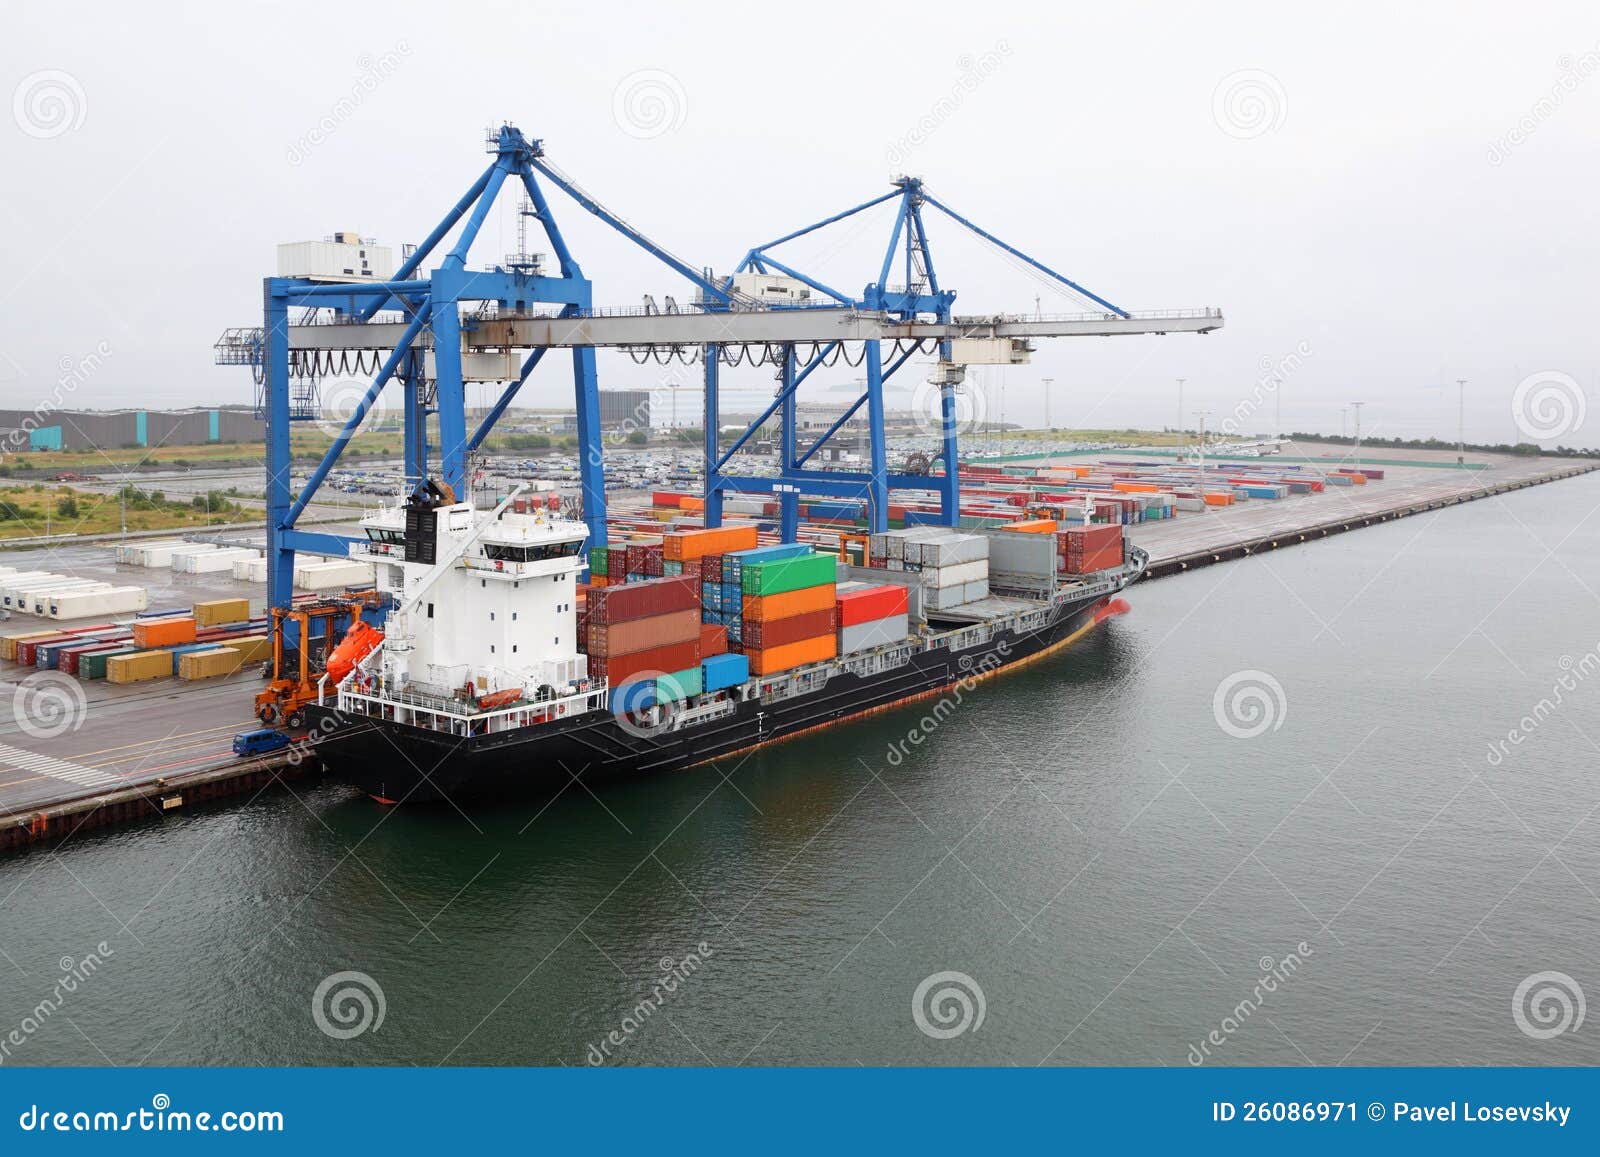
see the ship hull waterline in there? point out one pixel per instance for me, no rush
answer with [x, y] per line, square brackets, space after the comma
[400, 763]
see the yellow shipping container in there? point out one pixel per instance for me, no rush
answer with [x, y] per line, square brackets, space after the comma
[218, 611]
[139, 666]
[209, 664]
[8, 643]
[253, 649]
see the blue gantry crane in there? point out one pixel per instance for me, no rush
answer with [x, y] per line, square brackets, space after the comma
[410, 329]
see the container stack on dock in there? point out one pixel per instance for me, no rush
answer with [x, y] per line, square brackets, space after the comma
[952, 568]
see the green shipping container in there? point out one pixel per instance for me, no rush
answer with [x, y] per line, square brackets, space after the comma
[789, 574]
[597, 560]
[680, 684]
[94, 666]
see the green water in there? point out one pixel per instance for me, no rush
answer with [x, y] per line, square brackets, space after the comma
[1082, 840]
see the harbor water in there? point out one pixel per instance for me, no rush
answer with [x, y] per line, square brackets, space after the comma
[1335, 804]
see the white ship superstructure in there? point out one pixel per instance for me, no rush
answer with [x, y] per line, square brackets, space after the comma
[487, 601]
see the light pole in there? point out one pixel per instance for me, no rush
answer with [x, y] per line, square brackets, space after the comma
[1047, 382]
[1180, 416]
[1343, 410]
[1461, 421]
[1356, 406]
[1200, 436]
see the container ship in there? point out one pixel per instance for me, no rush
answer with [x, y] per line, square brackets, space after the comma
[498, 673]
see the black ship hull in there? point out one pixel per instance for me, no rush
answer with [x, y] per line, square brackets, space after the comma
[401, 763]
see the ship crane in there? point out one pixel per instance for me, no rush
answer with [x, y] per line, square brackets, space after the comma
[410, 328]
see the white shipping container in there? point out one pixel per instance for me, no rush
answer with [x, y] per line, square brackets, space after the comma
[953, 576]
[326, 576]
[212, 562]
[873, 633]
[177, 554]
[133, 552]
[956, 548]
[17, 588]
[38, 601]
[111, 601]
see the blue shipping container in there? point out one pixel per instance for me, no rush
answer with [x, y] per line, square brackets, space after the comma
[723, 671]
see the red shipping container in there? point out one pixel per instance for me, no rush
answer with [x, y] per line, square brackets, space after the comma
[872, 603]
[639, 600]
[710, 568]
[610, 639]
[782, 632]
[713, 640]
[660, 660]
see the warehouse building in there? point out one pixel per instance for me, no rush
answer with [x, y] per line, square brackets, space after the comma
[49, 429]
[629, 408]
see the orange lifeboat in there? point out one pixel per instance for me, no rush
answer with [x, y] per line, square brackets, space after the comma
[499, 698]
[358, 642]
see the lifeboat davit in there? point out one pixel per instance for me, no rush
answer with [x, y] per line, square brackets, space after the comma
[358, 642]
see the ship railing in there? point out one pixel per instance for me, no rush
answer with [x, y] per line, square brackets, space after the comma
[456, 718]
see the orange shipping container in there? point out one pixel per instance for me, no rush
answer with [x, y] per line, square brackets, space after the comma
[163, 632]
[683, 545]
[690, 502]
[775, 659]
[764, 608]
[1034, 526]
[1216, 499]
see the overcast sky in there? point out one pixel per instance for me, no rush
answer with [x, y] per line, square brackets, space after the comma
[1385, 197]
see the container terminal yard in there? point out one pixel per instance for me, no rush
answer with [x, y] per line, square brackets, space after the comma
[84, 750]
